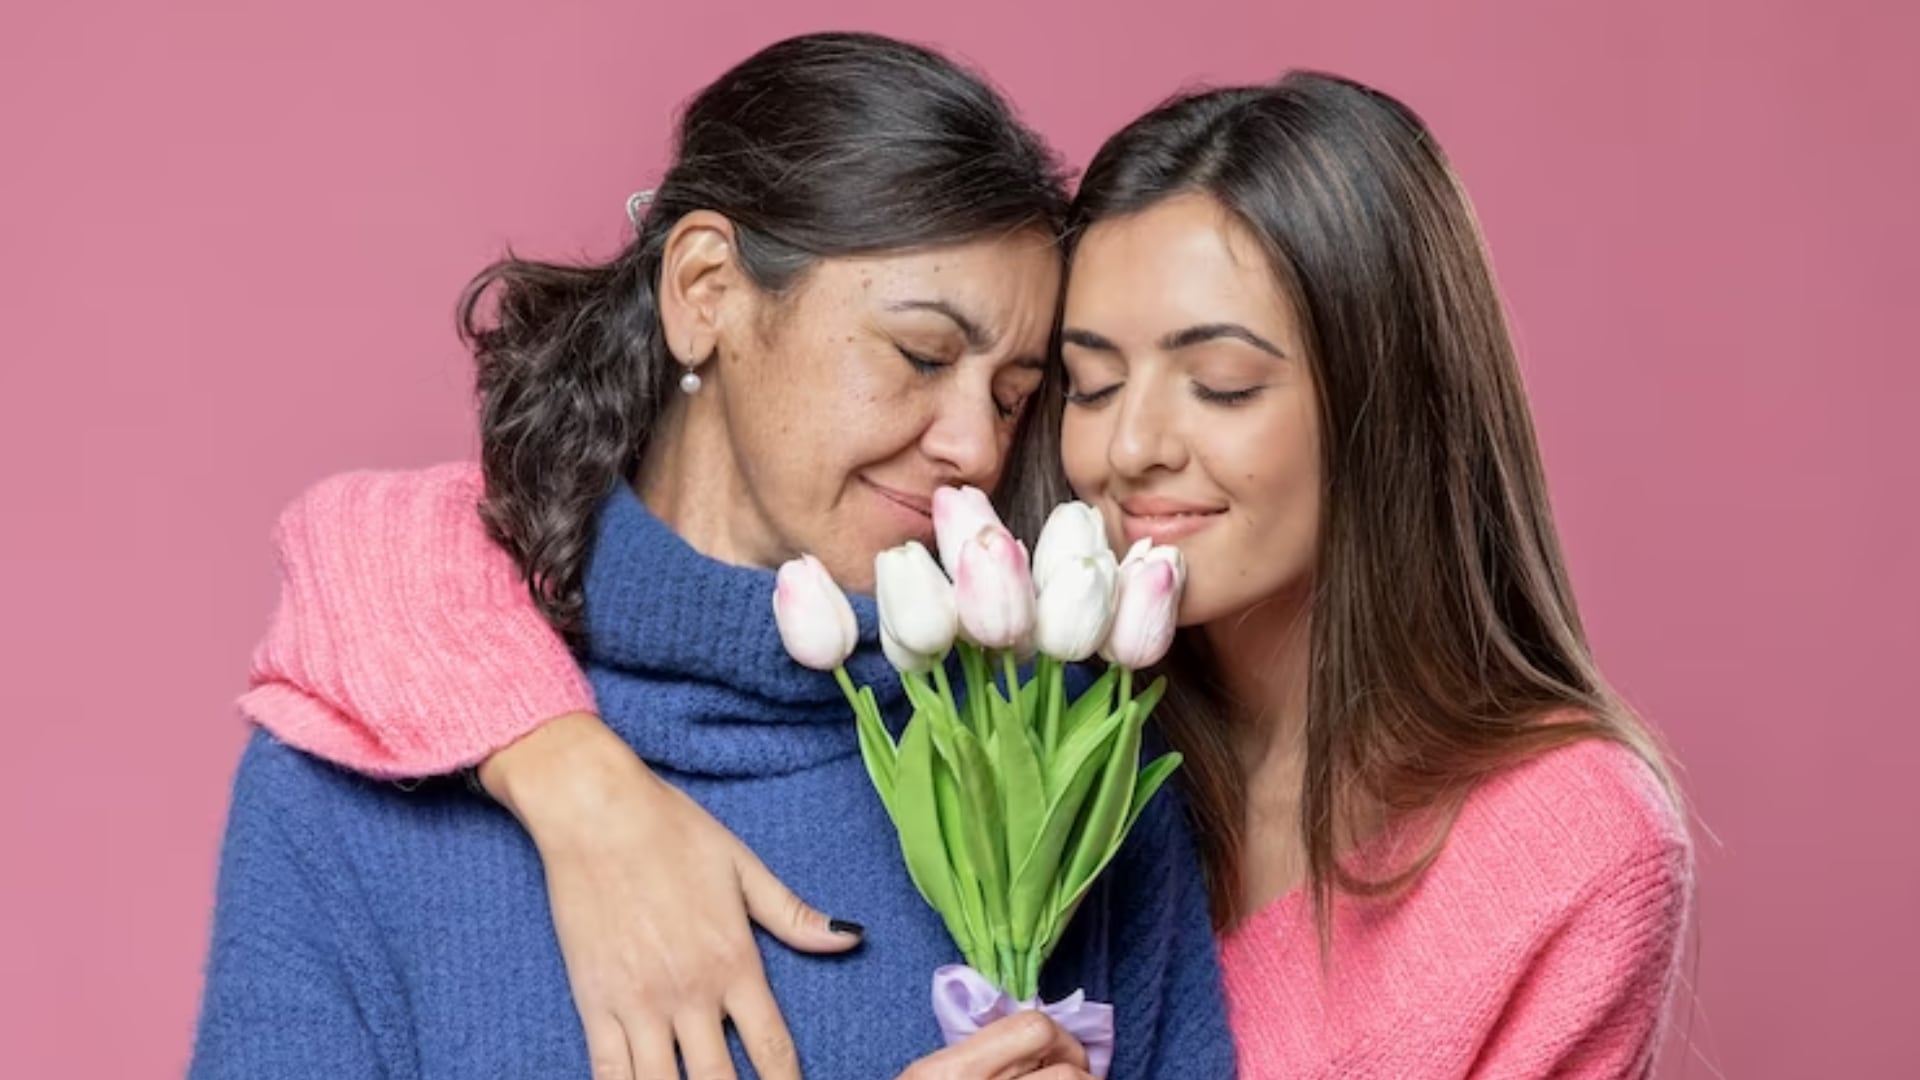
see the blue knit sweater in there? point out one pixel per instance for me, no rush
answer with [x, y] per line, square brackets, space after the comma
[367, 929]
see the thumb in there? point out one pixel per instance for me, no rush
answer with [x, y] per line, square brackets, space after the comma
[787, 917]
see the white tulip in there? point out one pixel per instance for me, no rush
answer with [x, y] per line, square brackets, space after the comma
[1074, 530]
[916, 601]
[903, 658]
[1076, 607]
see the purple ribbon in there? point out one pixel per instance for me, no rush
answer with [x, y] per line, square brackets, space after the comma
[964, 1002]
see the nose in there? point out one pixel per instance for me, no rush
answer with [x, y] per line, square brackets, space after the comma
[1145, 436]
[965, 438]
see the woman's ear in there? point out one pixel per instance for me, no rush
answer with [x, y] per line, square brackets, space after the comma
[698, 270]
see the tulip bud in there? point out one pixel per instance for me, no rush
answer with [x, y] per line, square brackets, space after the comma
[902, 658]
[1076, 607]
[1074, 531]
[993, 590]
[916, 601]
[816, 622]
[1148, 607]
[959, 514]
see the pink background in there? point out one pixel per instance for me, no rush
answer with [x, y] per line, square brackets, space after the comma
[232, 237]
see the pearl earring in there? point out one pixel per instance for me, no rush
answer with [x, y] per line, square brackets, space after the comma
[690, 382]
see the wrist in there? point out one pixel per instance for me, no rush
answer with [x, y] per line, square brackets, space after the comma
[560, 772]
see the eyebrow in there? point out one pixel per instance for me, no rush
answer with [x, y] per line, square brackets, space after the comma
[1178, 339]
[977, 338]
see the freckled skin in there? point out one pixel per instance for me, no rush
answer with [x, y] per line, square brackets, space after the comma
[813, 409]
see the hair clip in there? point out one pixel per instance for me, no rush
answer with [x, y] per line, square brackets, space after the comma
[637, 206]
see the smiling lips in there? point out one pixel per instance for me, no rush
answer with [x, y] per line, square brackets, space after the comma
[1164, 521]
[916, 510]
[1158, 519]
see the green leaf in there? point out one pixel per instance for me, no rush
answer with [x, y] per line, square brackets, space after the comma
[1071, 756]
[1095, 701]
[923, 697]
[1149, 782]
[917, 818]
[1151, 697]
[877, 751]
[1036, 878]
[999, 713]
[983, 826]
[1105, 817]
[1030, 691]
[971, 911]
[1023, 801]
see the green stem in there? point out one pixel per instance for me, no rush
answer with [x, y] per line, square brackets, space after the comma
[973, 666]
[846, 687]
[1013, 678]
[1049, 674]
[946, 690]
[1029, 976]
[1126, 687]
[1059, 703]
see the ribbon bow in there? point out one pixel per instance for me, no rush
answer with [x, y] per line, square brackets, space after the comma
[964, 1002]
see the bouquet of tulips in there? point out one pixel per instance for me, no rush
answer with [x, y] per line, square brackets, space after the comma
[1008, 798]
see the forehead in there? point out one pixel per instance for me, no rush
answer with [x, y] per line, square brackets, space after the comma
[1008, 285]
[1185, 260]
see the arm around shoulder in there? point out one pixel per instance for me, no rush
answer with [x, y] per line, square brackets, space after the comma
[405, 642]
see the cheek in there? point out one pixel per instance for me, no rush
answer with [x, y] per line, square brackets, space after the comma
[1272, 475]
[1083, 453]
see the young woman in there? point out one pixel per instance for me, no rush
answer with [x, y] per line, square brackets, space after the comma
[745, 379]
[1435, 841]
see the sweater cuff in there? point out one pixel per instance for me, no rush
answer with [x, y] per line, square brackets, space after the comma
[406, 750]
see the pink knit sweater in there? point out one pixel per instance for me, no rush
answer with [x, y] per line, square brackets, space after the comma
[1542, 943]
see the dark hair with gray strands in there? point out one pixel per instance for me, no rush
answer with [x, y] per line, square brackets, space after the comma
[819, 146]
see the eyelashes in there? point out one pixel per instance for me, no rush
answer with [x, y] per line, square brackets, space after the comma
[924, 365]
[1092, 398]
[1226, 397]
[928, 366]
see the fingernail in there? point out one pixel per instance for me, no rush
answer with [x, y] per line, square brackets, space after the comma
[842, 926]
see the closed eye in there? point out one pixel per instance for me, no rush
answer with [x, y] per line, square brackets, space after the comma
[1087, 399]
[1225, 397]
[925, 365]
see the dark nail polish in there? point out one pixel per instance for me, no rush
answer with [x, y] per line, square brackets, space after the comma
[842, 926]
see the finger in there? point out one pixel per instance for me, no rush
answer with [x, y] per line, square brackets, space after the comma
[1033, 1044]
[786, 916]
[1013, 1046]
[762, 1029]
[703, 1047]
[607, 1055]
[1059, 1072]
[1066, 1050]
[651, 1044]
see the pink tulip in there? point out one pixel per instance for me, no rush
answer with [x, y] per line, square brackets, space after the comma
[1151, 580]
[816, 622]
[959, 515]
[993, 588]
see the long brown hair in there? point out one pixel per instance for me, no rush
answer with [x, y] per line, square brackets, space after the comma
[1445, 641]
